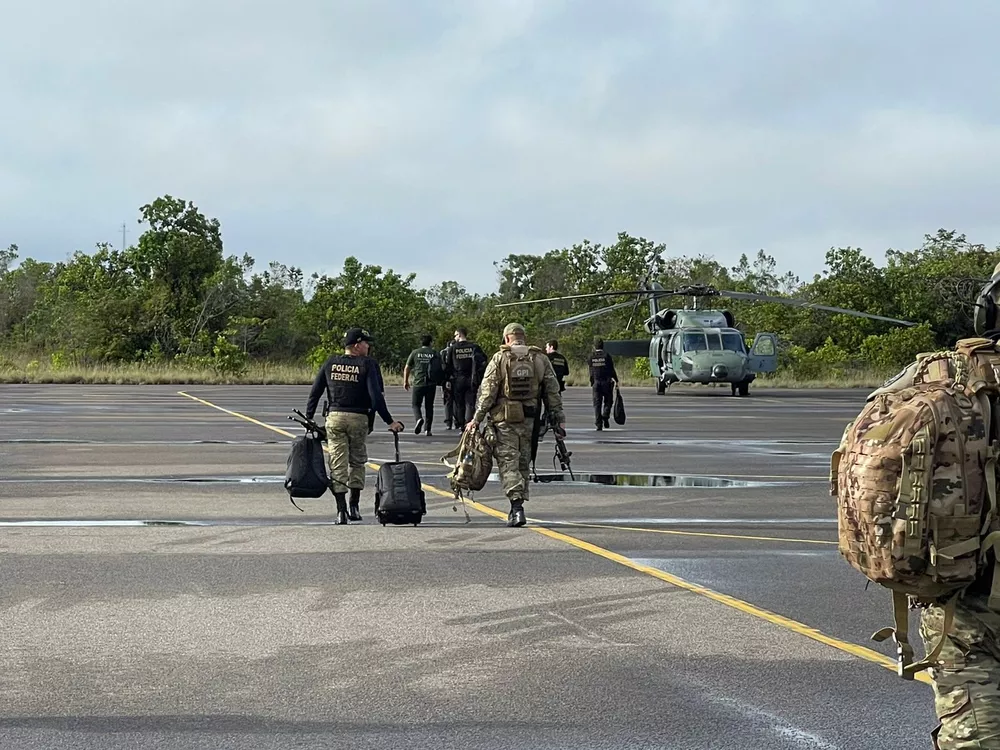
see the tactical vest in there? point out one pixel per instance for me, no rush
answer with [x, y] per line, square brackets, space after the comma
[347, 381]
[599, 365]
[520, 381]
[463, 356]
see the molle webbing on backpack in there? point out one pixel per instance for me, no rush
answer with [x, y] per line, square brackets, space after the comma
[915, 481]
[522, 377]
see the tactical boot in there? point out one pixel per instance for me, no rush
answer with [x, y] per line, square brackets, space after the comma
[355, 514]
[341, 508]
[606, 423]
[516, 516]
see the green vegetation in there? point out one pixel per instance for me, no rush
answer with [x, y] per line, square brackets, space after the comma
[175, 308]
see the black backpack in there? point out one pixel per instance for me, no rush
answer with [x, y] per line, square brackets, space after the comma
[436, 374]
[305, 470]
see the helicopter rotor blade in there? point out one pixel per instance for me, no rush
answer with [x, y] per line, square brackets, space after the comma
[591, 314]
[591, 295]
[810, 305]
[638, 299]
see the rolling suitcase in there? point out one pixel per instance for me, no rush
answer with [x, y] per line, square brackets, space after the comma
[399, 498]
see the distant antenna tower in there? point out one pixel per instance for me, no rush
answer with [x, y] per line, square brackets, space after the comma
[123, 236]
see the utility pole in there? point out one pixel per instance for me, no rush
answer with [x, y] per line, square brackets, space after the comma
[123, 236]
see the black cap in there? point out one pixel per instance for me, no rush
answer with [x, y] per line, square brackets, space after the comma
[355, 335]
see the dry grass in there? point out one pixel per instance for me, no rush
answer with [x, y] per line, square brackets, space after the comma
[24, 370]
[259, 373]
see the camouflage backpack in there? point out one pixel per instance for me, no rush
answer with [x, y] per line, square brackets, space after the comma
[473, 462]
[520, 377]
[915, 481]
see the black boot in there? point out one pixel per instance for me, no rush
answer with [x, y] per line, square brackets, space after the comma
[341, 508]
[355, 514]
[516, 516]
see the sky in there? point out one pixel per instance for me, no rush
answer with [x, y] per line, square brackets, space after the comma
[439, 136]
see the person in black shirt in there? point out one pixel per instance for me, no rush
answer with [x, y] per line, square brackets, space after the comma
[446, 396]
[467, 364]
[353, 384]
[602, 382]
[559, 363]
[560, 366]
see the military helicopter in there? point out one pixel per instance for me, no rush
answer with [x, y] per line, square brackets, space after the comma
[692, 345]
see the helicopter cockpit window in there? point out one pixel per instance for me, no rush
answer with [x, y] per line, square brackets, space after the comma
[733, 342]
[714, 341]
[695, 342]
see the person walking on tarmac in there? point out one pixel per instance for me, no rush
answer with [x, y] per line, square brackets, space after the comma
[446, 395]
[559, 363]
[467, 364]
[424, 365]
[514, 379]
[352, 382]
[603, 379]
[560, 366]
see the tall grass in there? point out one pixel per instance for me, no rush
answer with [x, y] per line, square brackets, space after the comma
[22, 369]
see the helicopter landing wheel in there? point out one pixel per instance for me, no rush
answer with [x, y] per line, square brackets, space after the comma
[744, 388]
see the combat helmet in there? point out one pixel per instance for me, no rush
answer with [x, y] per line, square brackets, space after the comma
[987, 304]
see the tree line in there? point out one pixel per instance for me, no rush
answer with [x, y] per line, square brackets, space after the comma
[176, 296]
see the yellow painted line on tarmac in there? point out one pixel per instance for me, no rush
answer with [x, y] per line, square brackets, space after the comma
[730, 601]
[673, 532]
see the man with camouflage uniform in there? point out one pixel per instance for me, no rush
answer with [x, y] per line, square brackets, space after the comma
[966, 674]
[516, 378]
[353, 384]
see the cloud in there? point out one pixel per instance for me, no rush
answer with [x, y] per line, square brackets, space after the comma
[439, 136]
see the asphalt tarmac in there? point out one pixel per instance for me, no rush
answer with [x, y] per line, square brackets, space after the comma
[159, 590]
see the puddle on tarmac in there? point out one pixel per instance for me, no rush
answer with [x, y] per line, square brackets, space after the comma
[766, 447]
[648, 480]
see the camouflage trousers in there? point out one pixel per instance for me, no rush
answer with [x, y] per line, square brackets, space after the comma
[967, 678]
[346, 438]
[513, 453]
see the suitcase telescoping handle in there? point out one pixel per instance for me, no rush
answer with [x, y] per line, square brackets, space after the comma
[395, 442]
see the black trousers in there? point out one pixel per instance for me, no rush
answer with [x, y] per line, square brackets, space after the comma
[423, 404]
[463, 400]
[604, 395]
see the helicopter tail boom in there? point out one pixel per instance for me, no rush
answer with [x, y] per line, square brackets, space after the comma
[627, 348]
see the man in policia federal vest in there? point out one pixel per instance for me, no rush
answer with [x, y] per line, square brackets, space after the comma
[466, 364]
[515, 377]
[418, 366]
[602, 382]
[352, 382]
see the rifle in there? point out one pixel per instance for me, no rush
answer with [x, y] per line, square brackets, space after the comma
[309, 424]
[562, 454]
